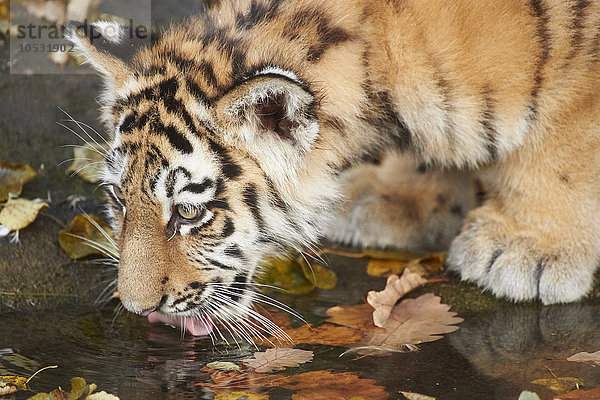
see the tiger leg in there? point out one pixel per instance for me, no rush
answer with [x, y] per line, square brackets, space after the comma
[397, 204]
[538, 234]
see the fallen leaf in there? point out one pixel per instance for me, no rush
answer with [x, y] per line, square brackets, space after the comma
[88, 162]
[12, 179]
[560, 385]
[580, 394]
[242, 396]
[357, 317]
[395, 288]
[383, 268]
[326, 385]
[18, 213]
[286, 275]
[229, 381]
[223, 366]
[11, 384]
[526, 395]
[80, 390]
[320, 276]
[427, 265]
[277, 359]
[411, 322]
[87, 235]
[326, 334]
[53, 11]
[586, 357]
[416, 396]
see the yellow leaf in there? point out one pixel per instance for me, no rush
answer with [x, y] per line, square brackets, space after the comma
[10, 384]
[416, 396]
[88, 162]
[285, 274]
[12, 179]
[84, 237]
[320, 276]
[18, 213]
[560, 385]
[223, 366]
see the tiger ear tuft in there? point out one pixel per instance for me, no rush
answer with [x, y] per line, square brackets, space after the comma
[107, 46]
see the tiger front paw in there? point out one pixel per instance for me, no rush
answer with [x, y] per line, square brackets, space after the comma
[517, 263]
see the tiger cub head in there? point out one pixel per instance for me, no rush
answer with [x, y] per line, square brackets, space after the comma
[211, 168]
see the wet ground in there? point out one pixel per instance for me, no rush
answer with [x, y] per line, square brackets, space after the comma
[48, 315]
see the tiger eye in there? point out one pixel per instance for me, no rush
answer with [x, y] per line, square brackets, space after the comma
[118, 193]
[188, 212]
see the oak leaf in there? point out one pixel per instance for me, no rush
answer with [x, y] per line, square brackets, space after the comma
[411, 322]
[326, 334]
[586, 357]
[12, 179]
[326, 385]
[278, 358]
[358, 317]
[395, 288]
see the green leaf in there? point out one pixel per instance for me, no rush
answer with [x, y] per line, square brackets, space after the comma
[285, 274]
[88, 162]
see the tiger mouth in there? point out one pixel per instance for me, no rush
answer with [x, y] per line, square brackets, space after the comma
[195, 326]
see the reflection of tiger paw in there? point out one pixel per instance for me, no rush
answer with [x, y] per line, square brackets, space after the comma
[520, 264]
[397, 205]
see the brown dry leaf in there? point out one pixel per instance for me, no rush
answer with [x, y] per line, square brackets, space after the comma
[560, 385]
[580, 394]
[83, 238]
[326, 385]
[395, 288]
[411, 322]
[586, 357]
[230, 381]
[88, 162]
[427, 265]
[326, 334]
[277, 359]
[12, 179]
[18, 213]
[358, 317]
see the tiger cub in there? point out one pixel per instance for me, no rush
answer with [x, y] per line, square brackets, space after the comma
[232, 132]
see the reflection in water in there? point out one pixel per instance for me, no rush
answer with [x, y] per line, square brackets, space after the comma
[492, 356]
[521, 343]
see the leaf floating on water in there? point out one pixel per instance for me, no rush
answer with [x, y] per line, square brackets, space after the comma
[277, 359]
[580, 394]
[326, 385]
[223, 366]
[88, 162]
[326, 334]
[10, 384]
[18, 213]
[321, 277]
[242, 396]
[427, 265]
[12, 179]
[285, 274]
[358, 317]
[416, 396]
[80, 390]
[411, 322]
[395, 288]
[560, 384]
[586, 357]
[84, 237]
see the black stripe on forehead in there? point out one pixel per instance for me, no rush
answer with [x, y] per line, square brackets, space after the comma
[229, 167]
[172, 179]
[198, 188]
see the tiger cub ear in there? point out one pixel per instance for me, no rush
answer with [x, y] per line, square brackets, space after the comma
[272, 116]
[107, 46]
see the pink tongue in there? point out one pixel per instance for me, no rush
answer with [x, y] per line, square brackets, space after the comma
[193, 325]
